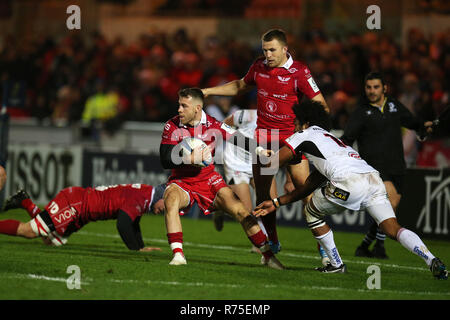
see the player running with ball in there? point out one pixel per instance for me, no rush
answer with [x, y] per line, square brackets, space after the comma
[192, 180]
[342, 180]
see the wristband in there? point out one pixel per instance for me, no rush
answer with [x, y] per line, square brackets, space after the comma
[276, 202]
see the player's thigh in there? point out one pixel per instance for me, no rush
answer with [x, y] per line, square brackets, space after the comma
[242, 190]
[299, 172]
[175, 195]
[394, 196]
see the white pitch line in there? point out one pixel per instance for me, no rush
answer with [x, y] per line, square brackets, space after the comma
[39, 277]
[294, 255]
[206, 284]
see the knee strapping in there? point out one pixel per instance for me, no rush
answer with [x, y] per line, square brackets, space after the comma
[314, 219]
[248, 222]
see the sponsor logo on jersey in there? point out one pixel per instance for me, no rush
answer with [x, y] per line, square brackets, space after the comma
[208, 123]
[313, 85]
[354, 155]
[262, 75]
[284, 79]
[292, 70]
[263, 92]
[341, 194]
[392, 107]
[271, 106]
[167, 126]
[67, 214]
[281, 96]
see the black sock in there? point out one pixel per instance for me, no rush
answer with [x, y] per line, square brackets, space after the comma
[370, 236]
[380, 238]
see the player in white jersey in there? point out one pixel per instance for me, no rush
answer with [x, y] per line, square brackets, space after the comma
[341, 180]
[238, 169]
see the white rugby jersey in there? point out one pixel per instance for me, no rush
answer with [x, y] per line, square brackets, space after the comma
[235, 158]
[328, 154]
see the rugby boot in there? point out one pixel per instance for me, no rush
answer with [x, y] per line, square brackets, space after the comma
[438, 269]
[330, 269]
[15, 201]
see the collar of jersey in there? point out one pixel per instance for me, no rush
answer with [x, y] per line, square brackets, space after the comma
[288, 63]
[382, 106]
[202, 120]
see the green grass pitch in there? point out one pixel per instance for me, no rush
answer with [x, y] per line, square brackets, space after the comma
[220, 266]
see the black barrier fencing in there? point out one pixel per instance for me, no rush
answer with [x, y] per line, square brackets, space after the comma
[425, 203]
[103, 168]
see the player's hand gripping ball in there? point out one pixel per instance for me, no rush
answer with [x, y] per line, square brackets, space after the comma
[202, 156]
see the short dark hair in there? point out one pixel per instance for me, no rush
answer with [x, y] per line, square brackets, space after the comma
[195, 93]
[313, 113]
[375, 75]
[277, 34]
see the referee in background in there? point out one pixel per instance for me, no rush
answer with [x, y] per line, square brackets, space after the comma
[376, 127]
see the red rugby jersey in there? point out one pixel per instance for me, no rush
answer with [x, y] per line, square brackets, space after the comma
[278, 90]
[210, 130]
[104, 202]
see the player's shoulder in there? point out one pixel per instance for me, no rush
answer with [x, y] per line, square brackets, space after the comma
[172, 123]
[300, 68]
[212, 122]
[259, 62]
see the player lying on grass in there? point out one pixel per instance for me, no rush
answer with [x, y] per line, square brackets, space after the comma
[200, 183]
[74, 207]
[342, 180]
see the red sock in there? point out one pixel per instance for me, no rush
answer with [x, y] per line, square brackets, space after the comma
[259, 240]
[32, 209]
[176, 242]
[9, 227]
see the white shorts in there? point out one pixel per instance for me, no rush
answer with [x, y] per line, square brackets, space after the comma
[359, 191]
[237, 177]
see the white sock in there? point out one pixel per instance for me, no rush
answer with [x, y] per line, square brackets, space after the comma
[327, 242]
[413, 243]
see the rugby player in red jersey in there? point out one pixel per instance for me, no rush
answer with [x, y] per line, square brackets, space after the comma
[281, 83]
[74, 207]
[191, 183]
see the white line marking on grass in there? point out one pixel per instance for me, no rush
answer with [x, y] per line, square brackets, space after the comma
[294, 255]
[40, 277]
[206, 284]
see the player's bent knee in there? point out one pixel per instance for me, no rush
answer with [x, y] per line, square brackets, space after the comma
[314, 218]
[390, 227]
[26, 231]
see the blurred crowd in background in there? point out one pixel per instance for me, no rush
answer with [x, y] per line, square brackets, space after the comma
[72, 79]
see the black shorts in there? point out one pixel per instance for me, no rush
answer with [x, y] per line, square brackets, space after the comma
[396, 179]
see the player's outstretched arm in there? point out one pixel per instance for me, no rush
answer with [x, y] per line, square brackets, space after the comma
[313, 181]
[231, 88]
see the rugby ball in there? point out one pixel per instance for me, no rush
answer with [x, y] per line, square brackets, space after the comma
[189, 144]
